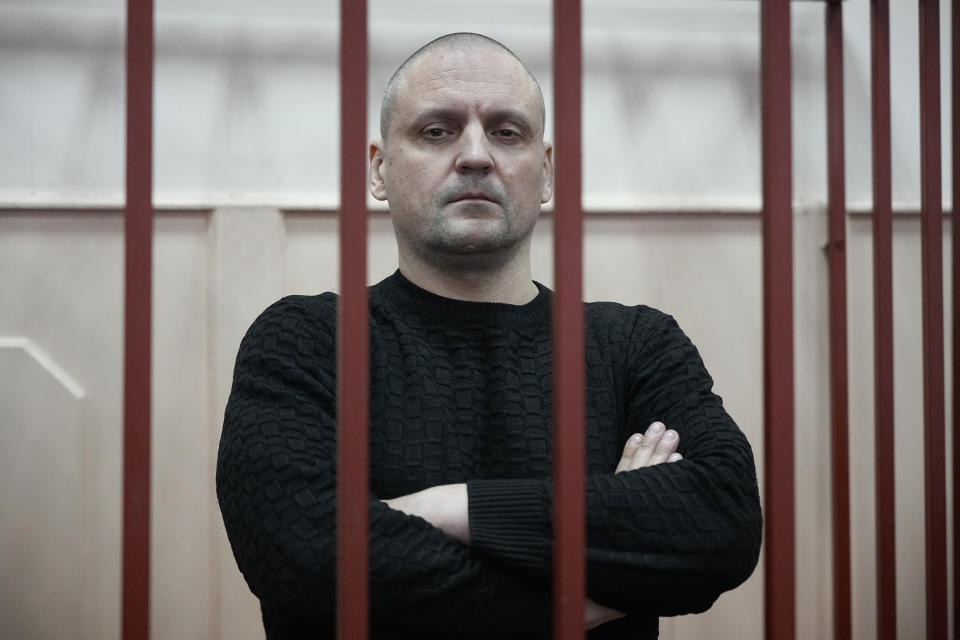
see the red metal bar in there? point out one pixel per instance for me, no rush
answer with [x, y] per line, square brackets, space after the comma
[780, 582]
[955, 228]
[353, 361]
[569, 562]
[837, 265]
[931, 239]
[138, 238]
[883, 323]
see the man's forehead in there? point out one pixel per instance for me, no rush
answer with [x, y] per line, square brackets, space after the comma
[468, 89]
[479, 73]
[463, 67]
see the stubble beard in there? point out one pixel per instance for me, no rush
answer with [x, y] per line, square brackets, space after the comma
[487, 240]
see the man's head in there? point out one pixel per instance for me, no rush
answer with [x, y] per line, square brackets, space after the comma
[449, 41]
[462, 159]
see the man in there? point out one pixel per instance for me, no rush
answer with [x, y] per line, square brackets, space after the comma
[461, 405]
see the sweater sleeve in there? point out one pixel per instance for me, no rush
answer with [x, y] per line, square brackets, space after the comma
[276, 480]
[663, 540]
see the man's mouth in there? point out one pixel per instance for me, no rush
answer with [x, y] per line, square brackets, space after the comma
[472, 195]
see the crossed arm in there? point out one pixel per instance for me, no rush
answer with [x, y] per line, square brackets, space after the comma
[447, 506]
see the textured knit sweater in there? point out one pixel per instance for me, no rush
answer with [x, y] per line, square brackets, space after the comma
[461, 392]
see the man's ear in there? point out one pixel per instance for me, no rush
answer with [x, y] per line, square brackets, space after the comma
[375, 178]
[546, 191]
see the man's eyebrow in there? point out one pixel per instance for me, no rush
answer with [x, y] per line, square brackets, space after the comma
[449, 113]
[512, 115]
[436, 113]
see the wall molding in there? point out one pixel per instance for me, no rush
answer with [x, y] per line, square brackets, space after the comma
[46, 362]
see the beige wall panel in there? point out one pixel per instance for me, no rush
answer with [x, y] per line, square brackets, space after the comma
[812, 428]
[313, 251]
[862, 441]
[908, 427]
[184, 539]
[908, 423]
[312, 256]
[61, 289]
[41, 501]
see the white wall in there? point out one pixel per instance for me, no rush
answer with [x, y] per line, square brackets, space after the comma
[246, 123]
[246, 101]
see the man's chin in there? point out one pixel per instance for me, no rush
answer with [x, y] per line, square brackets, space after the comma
[475, 245]
[474, 235]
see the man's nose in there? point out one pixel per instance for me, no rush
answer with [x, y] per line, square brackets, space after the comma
[474, 153]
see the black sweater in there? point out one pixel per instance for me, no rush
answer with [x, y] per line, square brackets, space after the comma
[461, 392]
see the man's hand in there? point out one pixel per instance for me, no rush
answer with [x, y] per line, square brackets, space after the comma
[444, 506]
[657, 445]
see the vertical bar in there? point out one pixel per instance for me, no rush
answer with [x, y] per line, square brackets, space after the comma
[837, 265]
[955, 241]
[883, 323]
[138, 243]
[353, 361]
[780, 582]
[568, 329]
[931, 247]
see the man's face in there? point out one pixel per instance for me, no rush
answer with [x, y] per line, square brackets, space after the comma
[464, 166]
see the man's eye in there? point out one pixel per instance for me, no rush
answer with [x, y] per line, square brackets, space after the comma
[435, 132]
[507, 133]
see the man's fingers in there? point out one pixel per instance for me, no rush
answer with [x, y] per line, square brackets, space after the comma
[650, 451]
[656, 446]
[633, 443]
[665, 445]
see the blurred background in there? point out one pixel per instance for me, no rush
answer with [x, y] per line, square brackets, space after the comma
[246, 180]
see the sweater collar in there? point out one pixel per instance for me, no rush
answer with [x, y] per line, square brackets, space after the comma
[399, 292]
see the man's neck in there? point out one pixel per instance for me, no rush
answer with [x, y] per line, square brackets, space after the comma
[511, 284]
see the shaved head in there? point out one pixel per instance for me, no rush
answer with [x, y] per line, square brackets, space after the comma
[463, 40]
